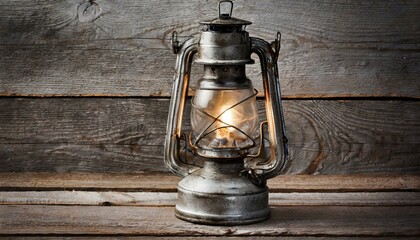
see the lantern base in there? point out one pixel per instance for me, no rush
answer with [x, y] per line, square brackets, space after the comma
[218, 194]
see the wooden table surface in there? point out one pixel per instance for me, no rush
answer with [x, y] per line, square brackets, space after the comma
[85, 87]
[35, 205]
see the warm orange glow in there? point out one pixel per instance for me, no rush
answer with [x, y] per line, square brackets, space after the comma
[227, 118]
[235, 121]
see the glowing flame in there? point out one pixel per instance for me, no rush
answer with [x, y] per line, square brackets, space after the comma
[227, 118]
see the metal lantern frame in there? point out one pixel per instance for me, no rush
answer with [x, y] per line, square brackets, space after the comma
[215, 48]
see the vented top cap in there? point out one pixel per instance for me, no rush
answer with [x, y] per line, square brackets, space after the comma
[225, 21]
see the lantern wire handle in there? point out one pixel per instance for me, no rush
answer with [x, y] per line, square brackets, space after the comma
[179, 92]
[275, 163]
[225, 15]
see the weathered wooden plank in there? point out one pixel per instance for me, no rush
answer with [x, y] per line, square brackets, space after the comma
[44, 21]
[81, 237]
[88, 198]
[345, 199]
[340, 183]
[160, 221]
[128, 68]
[85, 71]
[170, 198]
[106, 237]
[67, 157]
[90, 181]
[333, 50]
[126, 135]
[83, 120]
[159, 182]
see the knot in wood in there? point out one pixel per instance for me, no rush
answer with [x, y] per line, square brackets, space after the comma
[88, 11]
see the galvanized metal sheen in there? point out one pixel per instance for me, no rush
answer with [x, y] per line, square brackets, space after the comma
[230, 188]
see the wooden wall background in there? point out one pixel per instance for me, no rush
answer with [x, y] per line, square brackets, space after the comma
[85, 85]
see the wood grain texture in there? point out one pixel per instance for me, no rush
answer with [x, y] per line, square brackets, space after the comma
[77, 148]
[87, 237]
[84, 237]
[353, 21]
[126, 68]
[330, 49]
[92, 198]
[160, 221]
[166, 182]
[126, 135]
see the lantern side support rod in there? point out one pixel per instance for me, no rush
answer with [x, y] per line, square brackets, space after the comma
[179, 93]
[277, 131]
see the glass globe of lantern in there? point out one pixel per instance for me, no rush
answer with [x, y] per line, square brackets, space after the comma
[224, 114]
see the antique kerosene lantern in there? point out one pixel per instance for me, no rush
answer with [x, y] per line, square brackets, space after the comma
[230, 186]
